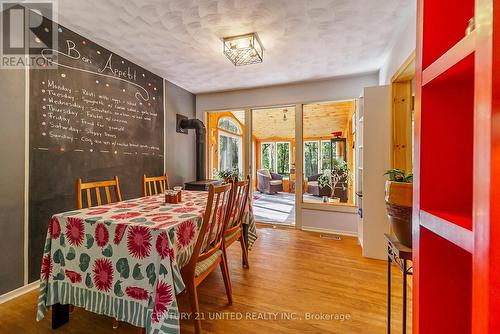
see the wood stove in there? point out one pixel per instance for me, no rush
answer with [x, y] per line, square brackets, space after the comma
[201, 184]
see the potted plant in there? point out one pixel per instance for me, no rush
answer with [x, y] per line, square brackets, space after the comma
[324, 181]
[332, 177]
[399, 201]
[227, 174]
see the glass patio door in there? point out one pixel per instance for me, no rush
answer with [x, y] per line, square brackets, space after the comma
[272, 163]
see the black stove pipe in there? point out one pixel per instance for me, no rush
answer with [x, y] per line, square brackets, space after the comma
[201, 131]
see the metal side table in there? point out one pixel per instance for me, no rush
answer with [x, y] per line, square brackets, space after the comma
[398, 254]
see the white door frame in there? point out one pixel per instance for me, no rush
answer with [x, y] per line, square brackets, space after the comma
[247, 167]
[299, 165]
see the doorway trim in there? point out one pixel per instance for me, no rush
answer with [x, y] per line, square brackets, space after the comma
[299, 164]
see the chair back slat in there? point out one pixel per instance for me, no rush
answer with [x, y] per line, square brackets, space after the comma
[97, 186]
[209, 236]
[240, 198]
[98, 196]
[89, 198]
[218, 221]
[118, 193]
[155, 185]
[214, 223]
[108, 194]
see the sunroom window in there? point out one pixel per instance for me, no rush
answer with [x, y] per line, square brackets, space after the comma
[229, 125]
[276, 157]
[230, 145]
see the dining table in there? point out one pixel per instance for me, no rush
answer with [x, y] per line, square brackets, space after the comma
[123, 259]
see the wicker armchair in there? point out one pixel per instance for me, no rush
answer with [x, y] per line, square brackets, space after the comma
[315, 189]
[269, 183]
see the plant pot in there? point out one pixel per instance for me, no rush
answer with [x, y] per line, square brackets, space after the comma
[399, 201]
[325, 199]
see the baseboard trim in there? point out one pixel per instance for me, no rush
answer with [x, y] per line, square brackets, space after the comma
[329, 231]
[19, 292]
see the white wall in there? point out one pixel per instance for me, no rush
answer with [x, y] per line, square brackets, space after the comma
[313, 91]
[344, 223]
[179, 147]
[401, 48]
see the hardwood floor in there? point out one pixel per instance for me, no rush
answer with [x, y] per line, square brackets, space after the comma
[292, 273]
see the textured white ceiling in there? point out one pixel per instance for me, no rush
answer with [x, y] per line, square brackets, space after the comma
[181, 39]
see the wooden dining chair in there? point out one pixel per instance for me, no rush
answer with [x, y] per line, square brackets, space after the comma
[209, 251]
[155, 185]
[97, 186]
[234, 230]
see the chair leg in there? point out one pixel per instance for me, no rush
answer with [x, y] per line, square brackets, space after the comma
[225, 275]
[244, 252]
[195, 308]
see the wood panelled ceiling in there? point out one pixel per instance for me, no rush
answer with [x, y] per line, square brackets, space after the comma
[240, 115]
[320, 120]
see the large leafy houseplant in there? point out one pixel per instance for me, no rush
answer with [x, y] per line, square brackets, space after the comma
[332, 177]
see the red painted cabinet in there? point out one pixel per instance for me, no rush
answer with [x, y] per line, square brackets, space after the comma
[456, 224]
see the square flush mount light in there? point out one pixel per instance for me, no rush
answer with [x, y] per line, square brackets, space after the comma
[244, 49]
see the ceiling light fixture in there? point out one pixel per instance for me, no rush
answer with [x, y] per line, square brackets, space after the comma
[244, 49]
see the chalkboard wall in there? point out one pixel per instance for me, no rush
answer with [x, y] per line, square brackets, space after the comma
[94, 115]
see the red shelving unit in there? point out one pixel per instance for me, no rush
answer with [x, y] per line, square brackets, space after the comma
[456, 213]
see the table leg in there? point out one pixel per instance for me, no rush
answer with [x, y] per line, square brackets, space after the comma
[404, 296]
[60, 315]
[389, 295]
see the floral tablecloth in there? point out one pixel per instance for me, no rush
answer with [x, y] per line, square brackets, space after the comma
[123, 259]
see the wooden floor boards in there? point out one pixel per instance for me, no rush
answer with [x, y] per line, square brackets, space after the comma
[293, 274]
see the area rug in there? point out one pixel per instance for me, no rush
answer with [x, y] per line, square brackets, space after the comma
[274, 209]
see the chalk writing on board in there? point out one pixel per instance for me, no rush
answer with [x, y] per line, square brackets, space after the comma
[117, 74]
[89, 117]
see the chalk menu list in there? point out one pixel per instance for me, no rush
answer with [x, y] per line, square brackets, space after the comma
[94, 115]
[85, 119]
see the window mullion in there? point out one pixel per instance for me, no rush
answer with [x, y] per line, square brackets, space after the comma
[319, 156]
[275, 157]
[289, 157]
[320, 160]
